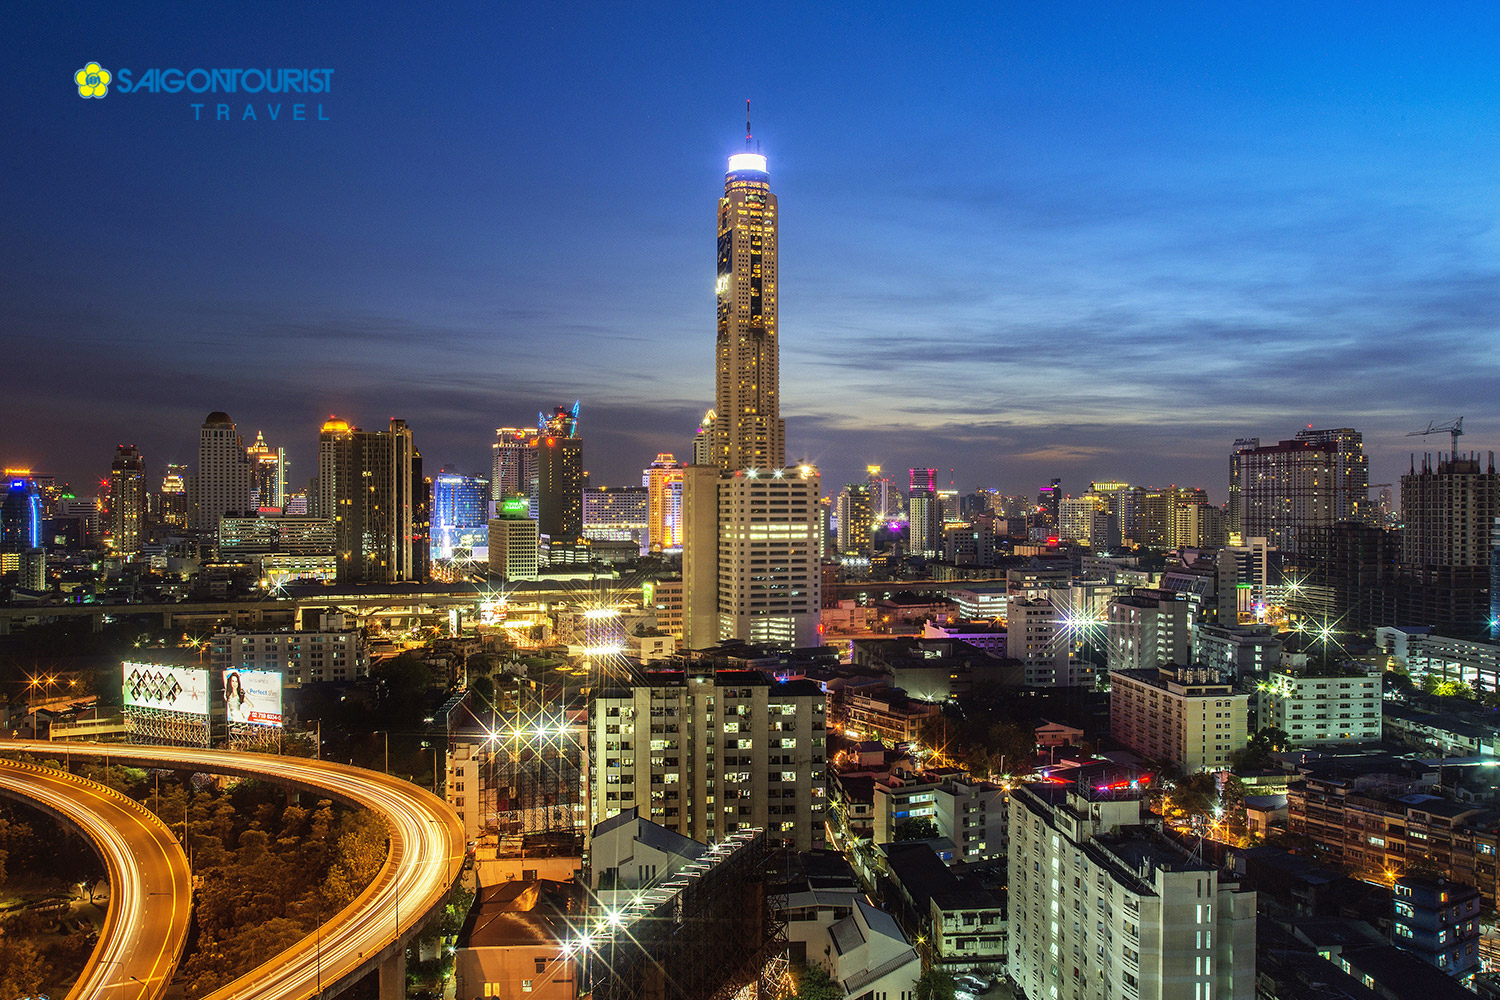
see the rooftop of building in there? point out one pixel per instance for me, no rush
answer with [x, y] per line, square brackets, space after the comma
[1191, 681]
[521, 912]
[651, 834]
[1403, 974]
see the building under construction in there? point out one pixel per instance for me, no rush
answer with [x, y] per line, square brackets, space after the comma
[705, 933]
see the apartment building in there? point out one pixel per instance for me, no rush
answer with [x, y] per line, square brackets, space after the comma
[706, 753]
[1103, 908]
[1187, 716]
[1322, 706]
[328, 653]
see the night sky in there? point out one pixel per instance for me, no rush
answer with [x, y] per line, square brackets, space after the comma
[1019, 240]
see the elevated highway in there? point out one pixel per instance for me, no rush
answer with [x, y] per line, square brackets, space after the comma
[425, 859]
[150, 887]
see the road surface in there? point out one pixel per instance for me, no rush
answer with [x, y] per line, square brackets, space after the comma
[425, 859]
[150, 901]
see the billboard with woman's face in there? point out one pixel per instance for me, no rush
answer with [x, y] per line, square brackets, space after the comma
[253, 697]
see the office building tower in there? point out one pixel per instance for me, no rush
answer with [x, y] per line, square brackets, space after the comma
[127, 501]
[1158, 922]
[510, 462]
[1149, 629]
[751, 566]
[1123, 502]
[1075, 519]
[513, 540]
[173, 508]
[708, 753]
[616, 513]
[223, 483]
[335, 452]
[703, 441]
[1232, 515]
[1244, 573]
[20, 520]
[267, 475]
[885, 502]
[856, 519]
[1314, 480]
[748, 430]
[373, 482]
[460, 514]
[1159, 519]
[1448, 509]
[1048, 501]
[1198, 526]
[1037, 635]
[558, 452]
[1189, 717]
[663, 480]
[925, 519]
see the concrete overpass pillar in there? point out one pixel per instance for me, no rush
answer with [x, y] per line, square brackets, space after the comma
[393, 977]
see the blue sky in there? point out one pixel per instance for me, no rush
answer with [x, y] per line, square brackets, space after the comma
[1097, 241]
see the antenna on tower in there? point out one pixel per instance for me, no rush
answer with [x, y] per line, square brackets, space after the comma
[747, 124]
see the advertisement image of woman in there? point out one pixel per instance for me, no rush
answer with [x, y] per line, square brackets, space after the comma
[236, 704]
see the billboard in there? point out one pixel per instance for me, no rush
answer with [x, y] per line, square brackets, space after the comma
[170, 689]
[253, 697]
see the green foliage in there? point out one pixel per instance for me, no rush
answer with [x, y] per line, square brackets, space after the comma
[1256, 754]
[915, 828]
[936, 984]
[980, 745]
[21, 968]
[814, 983]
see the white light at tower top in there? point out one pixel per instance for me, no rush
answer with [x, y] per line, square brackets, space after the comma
[747, 161]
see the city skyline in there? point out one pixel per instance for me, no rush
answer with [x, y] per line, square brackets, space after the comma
[1157, 244]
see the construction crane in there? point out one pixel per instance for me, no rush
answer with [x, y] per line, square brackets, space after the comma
[1452, 427]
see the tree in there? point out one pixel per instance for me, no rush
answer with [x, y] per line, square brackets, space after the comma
[21, 968]
[936, 984]
[814, 983]
[916, 828]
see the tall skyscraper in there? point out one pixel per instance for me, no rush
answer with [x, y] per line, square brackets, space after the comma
[1048, 500]
[460, 513]
[663, 482]
[1314, 480]
[510, 466]
[559, 482]
[513, 539]
[703, 441]
[885, 502]
[267, 474]
[334, 456]
[373, 482]
[856, 519]
[925, 521]
[749, 431]
[174, 497]
[20, 519]
[1232, 514]
[1449, 509]
[127, 500]
[224, 475]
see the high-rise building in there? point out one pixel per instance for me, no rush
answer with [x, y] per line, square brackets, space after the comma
[460, 513]
[558, 454]
[703, 441]
[885, 502]
[373, 482]
[925, 522]
[1314, 480]
[708, 753]
[127, 500]
[1048, 501]
[1190, 717]
[1159, 520]
[1149, 629]
[1075, 518]
[1232, 514]
[1198, 526]
[1161, 923]
[224, 478]
[1448, 509]
[334, 472]
[174, 497]
[663, 480]
[20, 519]
[856, 519]
[513, 540]
[616, 513]
[751, 567]
[267, 475]
[510, 466]
[748, 430]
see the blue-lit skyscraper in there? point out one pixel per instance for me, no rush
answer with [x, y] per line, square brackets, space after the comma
[20, 517]
[460, 513]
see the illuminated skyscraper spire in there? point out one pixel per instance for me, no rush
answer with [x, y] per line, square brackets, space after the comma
[749, 431]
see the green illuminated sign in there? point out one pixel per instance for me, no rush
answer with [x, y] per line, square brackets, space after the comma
[515, 507]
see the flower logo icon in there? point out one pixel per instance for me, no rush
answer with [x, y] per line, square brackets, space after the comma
[93, 80]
